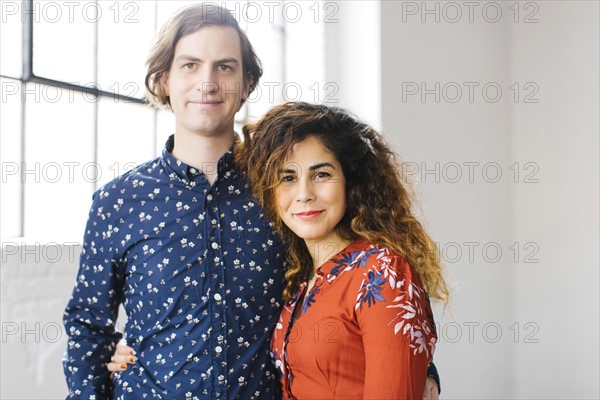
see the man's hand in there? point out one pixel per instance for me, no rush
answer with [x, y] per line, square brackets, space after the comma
[431, 390]
[125, 355]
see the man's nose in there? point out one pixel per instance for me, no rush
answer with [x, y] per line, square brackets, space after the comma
[207, 82]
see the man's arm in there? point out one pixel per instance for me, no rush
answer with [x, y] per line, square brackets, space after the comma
[90, 315]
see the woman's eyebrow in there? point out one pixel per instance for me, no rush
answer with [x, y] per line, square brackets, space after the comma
[287, 171]
[320, 165]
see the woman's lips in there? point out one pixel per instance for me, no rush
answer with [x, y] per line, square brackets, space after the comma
[308, 215]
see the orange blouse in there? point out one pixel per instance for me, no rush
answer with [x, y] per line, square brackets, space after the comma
[366, 330]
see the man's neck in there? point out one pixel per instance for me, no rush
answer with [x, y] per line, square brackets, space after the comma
[202, 152]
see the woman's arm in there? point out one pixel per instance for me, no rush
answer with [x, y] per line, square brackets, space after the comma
[397, 330]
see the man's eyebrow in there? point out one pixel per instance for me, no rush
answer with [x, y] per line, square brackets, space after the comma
[320, 165]
[228, 60]
[187, 58]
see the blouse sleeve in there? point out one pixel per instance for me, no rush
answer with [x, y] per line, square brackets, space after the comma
[397, 329]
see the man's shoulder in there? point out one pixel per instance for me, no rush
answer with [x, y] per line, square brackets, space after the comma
[140, 177]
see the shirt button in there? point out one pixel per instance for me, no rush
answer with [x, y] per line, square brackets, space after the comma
[217, 297]
[214, 245]
[218, 349]
[209, 197]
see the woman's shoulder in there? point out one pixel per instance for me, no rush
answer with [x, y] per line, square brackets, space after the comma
[377, 253]
[381, 259]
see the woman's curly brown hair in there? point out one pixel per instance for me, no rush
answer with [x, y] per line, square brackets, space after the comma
[378, 205]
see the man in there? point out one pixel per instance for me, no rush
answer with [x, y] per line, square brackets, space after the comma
[180, 242]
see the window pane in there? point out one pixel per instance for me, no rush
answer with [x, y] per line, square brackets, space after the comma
[10, 154]
[125, 34]
[165, 127]
[268, 45]
[60, 172]
[11, 33]
[305, 41]
[63, 40]
[125, 137]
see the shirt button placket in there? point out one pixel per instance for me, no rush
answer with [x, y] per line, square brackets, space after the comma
[218, 339]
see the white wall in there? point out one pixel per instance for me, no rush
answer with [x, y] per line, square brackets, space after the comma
[550, 308]
[36, 282]
[353, 57]
[560, 293]
[445, 138]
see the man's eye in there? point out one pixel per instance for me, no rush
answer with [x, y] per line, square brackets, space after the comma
[188, 66]
[224, 67]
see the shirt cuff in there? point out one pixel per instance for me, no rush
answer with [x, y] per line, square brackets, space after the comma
[433, 373]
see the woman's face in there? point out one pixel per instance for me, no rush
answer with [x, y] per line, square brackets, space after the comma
[310, 196]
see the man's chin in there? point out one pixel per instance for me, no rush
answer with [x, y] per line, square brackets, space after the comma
[211, 130]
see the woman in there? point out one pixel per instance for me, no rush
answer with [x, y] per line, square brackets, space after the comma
[357, 321]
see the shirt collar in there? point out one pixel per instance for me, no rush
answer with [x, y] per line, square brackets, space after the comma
[186, 173]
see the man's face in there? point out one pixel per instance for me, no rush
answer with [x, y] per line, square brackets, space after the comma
[206, 81]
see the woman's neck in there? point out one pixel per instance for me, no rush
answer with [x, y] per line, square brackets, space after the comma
[322, 251]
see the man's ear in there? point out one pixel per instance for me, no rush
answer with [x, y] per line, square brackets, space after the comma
[164, 82]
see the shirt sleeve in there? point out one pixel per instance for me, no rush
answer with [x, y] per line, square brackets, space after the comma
[397, 329]
[432, 372]
[91, 312]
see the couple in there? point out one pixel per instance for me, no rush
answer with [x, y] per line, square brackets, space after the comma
[199, 264]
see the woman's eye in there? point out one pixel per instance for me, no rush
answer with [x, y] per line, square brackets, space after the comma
[288, 178]
[322, 175]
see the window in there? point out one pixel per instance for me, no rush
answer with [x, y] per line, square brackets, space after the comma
[73, 115]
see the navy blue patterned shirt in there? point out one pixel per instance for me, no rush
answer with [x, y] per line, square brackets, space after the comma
[199, 271]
